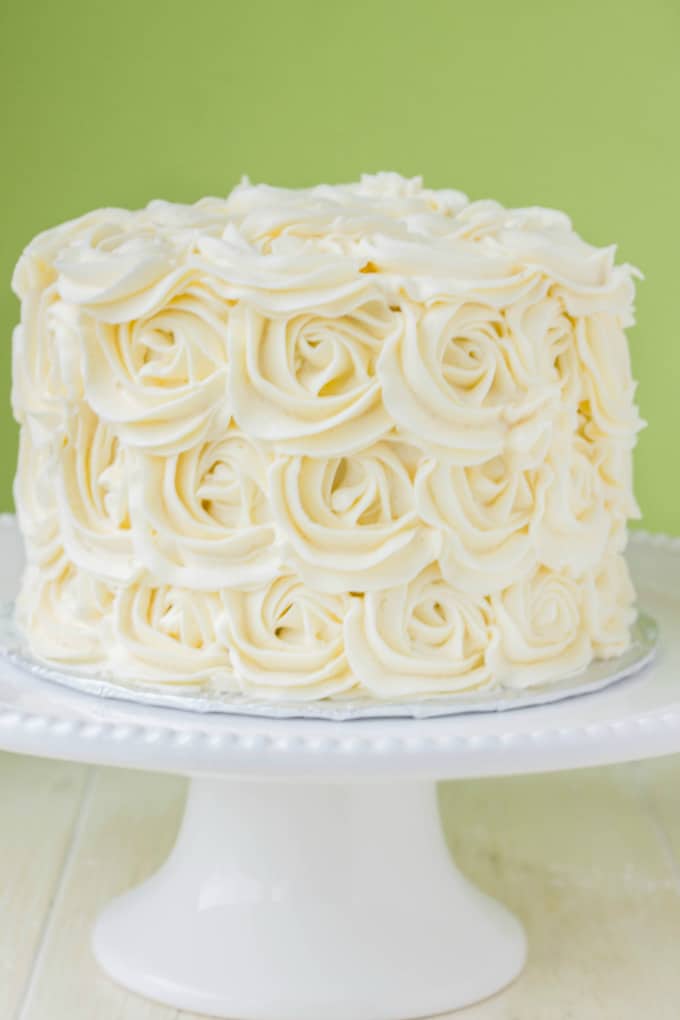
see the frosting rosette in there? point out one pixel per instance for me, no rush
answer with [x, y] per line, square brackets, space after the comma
[47, 372]
[168, 635]
[160, 381]
[419, 639]
[203, 517]
[308, 383]
[613, 459]
[575, 526]
[610, 607]
[91, 487]
[543, 634]
[286, 640]
[67, 614]
[46, 349]
[370, 438]
[607, 379]
[35, 500]
[487, 515]
[117, 265]
[350, 523]
[584, 278]
[459, 378]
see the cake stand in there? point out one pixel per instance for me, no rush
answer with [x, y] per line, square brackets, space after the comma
[310, 878]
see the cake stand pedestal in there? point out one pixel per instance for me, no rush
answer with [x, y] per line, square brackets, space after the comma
[297, 901]
[310, 877]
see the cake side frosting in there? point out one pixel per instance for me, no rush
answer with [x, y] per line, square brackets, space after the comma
[365, 437]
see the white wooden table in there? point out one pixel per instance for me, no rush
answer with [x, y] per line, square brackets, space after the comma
[590, 861]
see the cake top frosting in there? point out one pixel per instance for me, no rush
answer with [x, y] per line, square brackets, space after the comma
[280, 247]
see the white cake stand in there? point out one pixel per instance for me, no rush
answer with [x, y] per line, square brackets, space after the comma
[310, 877]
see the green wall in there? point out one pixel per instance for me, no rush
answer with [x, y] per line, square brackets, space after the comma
[571, 105]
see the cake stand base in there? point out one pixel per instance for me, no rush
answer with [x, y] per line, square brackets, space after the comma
[294, 901]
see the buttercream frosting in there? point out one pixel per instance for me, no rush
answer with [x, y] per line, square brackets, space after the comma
[369, 437]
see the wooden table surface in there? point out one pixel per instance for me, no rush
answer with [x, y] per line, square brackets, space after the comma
[589, 860]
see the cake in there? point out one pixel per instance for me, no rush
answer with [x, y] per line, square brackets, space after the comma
[361, 440]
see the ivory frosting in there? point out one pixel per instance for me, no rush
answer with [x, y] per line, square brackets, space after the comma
[366, 437]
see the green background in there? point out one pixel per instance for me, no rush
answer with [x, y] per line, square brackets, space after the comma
[574, 106]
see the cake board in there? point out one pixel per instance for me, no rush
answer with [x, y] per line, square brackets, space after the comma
[310, 877]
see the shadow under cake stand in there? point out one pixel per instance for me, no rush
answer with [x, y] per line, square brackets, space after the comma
[310, 877]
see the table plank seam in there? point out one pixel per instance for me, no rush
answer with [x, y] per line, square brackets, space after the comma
[662, 833]
[645, 799]
[67, 864]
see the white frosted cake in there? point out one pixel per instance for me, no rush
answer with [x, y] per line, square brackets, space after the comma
[366, 439]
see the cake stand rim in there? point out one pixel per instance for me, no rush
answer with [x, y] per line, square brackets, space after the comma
[608, 727]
